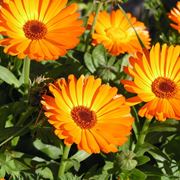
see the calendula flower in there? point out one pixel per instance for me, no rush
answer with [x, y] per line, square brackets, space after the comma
[174, 15]
[87, 113]
[156, 81]
[39, 29]
[2, 2]
[116, 33]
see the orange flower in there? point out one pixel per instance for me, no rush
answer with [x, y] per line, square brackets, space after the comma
[174, 15]
[156, 82]
[1, 3]
[39, 29]
[87, 113]
[116, 34]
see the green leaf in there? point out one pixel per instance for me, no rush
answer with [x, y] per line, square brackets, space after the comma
[172, 147]
[126, 160]
[2, 172]
[99, 56]
[163, 128]
[70, 176]
[106, 73]
[136, 174]
[108, 165]
[50, 150]
[111, 61]
[142, 160]
[81, 155]
[10, 165]
[45, 172]
[89, 62]
[144, 148]
[158, 154]
[8, 77]
[15, 165]
[75, 163]
[128, 165]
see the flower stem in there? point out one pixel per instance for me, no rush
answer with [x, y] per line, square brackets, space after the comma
[136, 123]
[26, 72]
[98, 8]
[63, 163]
[143, 134]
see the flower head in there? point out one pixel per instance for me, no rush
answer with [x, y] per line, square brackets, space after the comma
[87, 113]
[156, 81]
[174, 15]
[3, 1]
[39, 29]
[116, 33]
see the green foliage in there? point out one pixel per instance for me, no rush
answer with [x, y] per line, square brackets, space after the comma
[103, 65]
[29, 149]
[52, 151]
[8, 77]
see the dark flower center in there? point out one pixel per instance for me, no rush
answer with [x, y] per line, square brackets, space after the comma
[83, 117]
[164, 87]
[34, 30]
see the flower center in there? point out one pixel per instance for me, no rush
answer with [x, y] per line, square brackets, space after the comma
[34, 30]
[83, 117]
[164, 87]
[116, 34]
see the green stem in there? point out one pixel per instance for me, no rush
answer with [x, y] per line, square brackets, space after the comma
[136, 122]
[143, 134]
[17, 133]
[26, 71]
[93, 24]
[63, 163]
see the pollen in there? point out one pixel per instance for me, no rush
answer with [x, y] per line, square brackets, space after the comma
[83, 117]
[34, 30]
[164, 87]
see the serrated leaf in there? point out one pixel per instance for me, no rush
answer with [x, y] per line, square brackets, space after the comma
[89, 62]
[7, 76]
[45, 172]
[50, 150]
